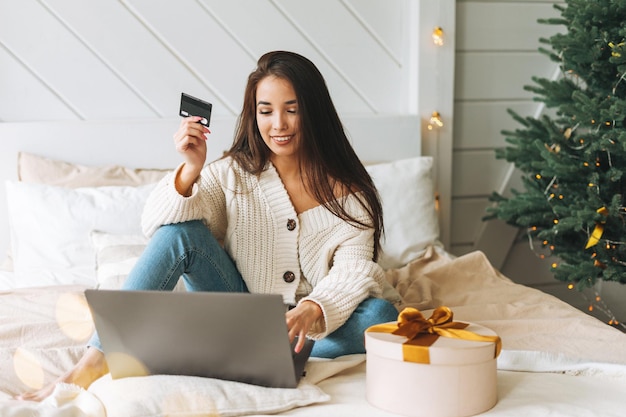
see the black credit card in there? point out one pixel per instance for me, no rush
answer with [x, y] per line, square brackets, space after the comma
[192, 106]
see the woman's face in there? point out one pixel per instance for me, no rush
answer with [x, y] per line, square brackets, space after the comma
[277, 116]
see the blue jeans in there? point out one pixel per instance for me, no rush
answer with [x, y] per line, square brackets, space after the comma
[190, 251]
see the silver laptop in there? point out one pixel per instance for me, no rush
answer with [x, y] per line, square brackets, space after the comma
[233, 336]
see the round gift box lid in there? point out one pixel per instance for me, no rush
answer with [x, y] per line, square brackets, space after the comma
[443, 351]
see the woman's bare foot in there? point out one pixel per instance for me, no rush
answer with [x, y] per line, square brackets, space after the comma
[89, 368]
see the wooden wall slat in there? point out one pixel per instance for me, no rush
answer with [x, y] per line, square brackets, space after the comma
[498, 75]
[466, 226]
[477, 173]
[478, 125]
[503, 26]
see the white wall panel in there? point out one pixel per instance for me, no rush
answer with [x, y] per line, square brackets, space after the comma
[257, 27]
[128, 48]
[28, 98]
[65, 63]
[189, 31]
[366, 60]
[384, 23]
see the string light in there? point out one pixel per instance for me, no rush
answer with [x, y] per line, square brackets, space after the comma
[438, 36]
[435, 121]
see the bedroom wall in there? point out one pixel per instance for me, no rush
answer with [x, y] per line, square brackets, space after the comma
[69, 60]
[496, 55]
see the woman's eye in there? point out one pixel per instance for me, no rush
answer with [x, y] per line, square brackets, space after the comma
[265, 111]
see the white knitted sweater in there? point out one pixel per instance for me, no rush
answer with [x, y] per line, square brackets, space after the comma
[330, 258]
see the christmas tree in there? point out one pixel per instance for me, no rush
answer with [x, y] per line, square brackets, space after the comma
[573, 158]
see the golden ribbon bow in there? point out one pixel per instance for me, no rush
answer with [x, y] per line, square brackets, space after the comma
[422, 333]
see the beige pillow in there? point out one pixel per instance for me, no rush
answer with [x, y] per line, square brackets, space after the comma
[37, 169]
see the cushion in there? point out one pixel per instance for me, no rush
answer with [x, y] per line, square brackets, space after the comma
[37, 169]
[172, 395]
[408, 198]
[116, 254]
[50, 228]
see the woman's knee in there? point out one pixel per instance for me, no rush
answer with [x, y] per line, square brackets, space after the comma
[378, 310]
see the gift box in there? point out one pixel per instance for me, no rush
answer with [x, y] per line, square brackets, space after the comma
[432, 367]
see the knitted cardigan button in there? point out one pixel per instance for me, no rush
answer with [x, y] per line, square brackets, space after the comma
[291, 224]
[289, 276]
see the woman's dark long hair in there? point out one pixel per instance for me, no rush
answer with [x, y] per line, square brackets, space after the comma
[327, 159]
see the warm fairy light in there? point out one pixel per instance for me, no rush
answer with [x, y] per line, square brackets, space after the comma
[28, 368]
[590, 308]
[591, 184]
[598, 298]
[586, 164]
[538, 176]
[554, 265]
[570, 286]
[438, 36]
[435, 121]
[74, 317]
[555, 221]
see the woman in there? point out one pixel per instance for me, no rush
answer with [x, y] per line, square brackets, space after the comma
[289, 209]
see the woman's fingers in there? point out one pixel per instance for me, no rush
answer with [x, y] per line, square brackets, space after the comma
[190, 128]
[190, 141]
[300, 319]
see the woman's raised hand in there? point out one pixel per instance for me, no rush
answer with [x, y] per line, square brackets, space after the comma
[190, 140]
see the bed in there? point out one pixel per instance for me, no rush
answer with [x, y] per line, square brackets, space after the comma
[72, 209]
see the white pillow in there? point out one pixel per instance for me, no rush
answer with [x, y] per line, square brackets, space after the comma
[189, 396]
[116, 255]
[50, 228]
[408, 198]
